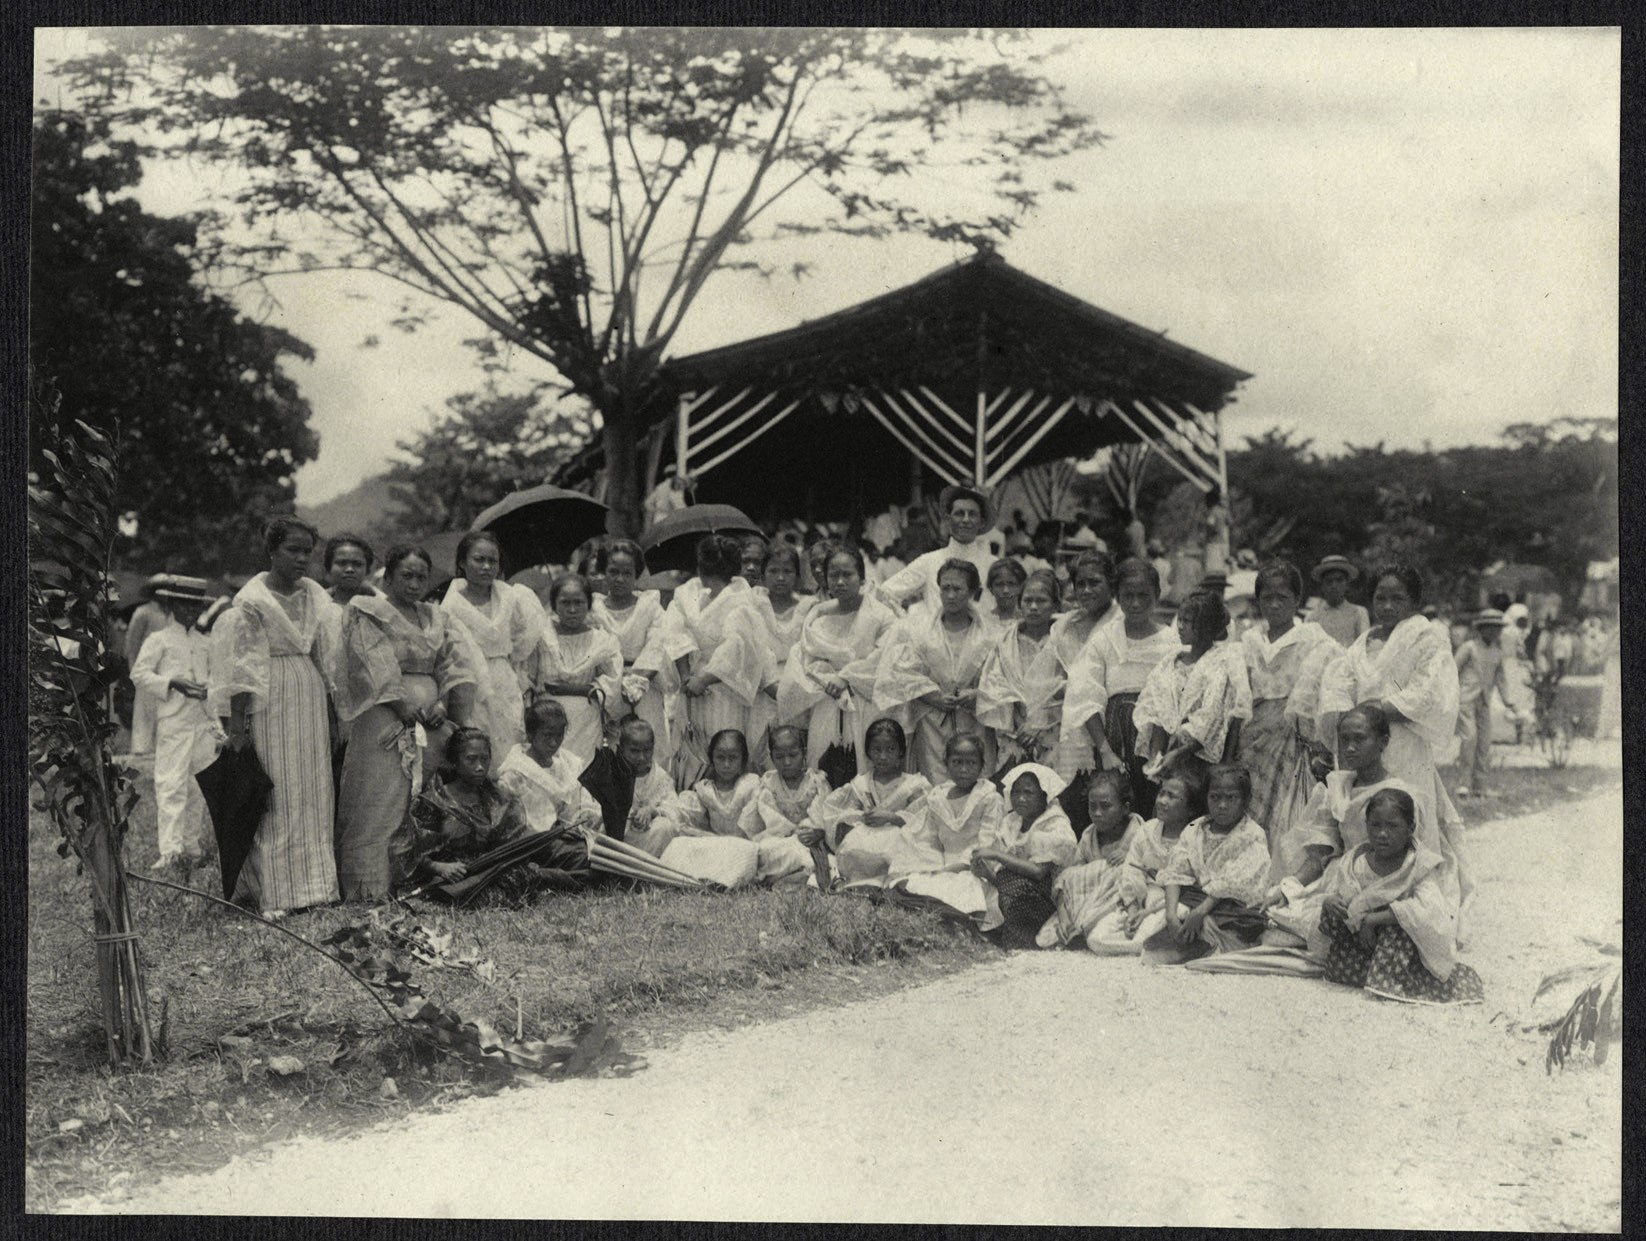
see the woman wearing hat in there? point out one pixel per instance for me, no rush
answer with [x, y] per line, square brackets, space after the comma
[1343, 620]
[172, 671]
[149, 618]
[970, 514]
[1480, 670]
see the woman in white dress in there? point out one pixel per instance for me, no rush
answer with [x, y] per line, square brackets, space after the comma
[715, 657]
[1021, 683]
[829, 681]
[505, 623]
[778, 615]
[267, 685]
[635, 619]
[579, 666]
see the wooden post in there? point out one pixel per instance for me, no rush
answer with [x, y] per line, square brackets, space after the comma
[682, 432]
[1226, 505]
[980, 456]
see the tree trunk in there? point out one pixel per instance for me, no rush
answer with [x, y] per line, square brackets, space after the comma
[622, 469]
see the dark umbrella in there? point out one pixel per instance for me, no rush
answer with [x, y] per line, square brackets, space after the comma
[236, 790]
[485, 870]
[672, 542]
[542, 524]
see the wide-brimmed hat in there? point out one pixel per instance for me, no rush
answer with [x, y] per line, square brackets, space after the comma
[959, 491]
[1341, 563]
[1489, 617]
[176, 587]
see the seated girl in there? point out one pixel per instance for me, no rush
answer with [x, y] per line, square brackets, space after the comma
[779, 807]
[462, 814]
[946, 828]
[543, 777]
[861, 822]
[1018, 862]
[1190, 705]
[700, 831]
[1215, 877]
[1388, 921]
[1089, 889]
[1141, 905]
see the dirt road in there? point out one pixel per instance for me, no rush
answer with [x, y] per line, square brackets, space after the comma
[1055, 1088]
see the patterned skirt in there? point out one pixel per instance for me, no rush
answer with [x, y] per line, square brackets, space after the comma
[1273, 750]
[1121, 735]
[1392, 968]
[1025, 904]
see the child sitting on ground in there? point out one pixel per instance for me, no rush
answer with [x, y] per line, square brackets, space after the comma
[543, 777]
[1089, 890]
[701, 830]
[627, 785]
[1141, 903]
[1215, 877]
[1388, 922]
[786, 793]
[946, 828]
[861, 822]
[1017, 864]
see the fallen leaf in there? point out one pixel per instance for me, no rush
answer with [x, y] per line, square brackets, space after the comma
[389, 1090]
[285, 1066]
[69, 1126]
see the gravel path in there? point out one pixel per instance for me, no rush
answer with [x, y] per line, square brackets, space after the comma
[1054, 1088]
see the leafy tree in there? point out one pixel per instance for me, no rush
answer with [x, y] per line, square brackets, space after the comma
[209, 428]
[575, 190]
[491, 443]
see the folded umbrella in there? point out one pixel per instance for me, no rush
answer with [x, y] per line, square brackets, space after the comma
[672, 542]
[236, 791]
[542, 524]
[485, 870]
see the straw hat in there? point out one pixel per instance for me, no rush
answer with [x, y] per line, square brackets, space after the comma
[1489, 618]
[1340, 563]
[957, 491]
[176, 587]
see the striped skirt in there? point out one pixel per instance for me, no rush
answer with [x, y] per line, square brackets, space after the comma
[291, 864]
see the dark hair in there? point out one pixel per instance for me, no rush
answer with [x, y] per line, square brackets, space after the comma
[402, 552]
[719, 555]
[958, 739]
[782, 551]
[338, 541]
[1194, 784]
[1207, 614]
[735, 735]
[1139, 568]
[467, 544]
[459, 738]
[966, 569]
[1091, 558]
[563, 580]
[631, 725]
[1280, 573]
[1010, 568]
[543, 712]
[1117, 779]
[274, 534]
[820, 549]
[1400, 799]
[1232, 771]
[1046, 578]
[845, 549]
[751, 540]
[619, 547]
[885, 726]
[787, 732]
[1372, 714]
[1406, 575]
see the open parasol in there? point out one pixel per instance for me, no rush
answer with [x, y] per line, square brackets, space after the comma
[672, 542]
[542, 524]
[236, 791]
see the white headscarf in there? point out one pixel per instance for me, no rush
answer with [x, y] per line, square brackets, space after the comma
[1050, 782]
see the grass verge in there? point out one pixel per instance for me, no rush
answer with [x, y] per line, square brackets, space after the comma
[242, 1003]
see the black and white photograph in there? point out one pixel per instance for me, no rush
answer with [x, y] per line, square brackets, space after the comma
[825, 625]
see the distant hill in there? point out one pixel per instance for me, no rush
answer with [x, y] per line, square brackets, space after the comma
[367, 510]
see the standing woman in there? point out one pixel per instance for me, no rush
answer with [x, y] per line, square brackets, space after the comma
[1022, 679]
[1091, 580]
[405, 667]
[579, 666]
[829, 680]
[778, 616]
[716, 662]
[1405, 666]
[931, 667]
[504, 622]
[267, 686]
[1284, 662]
[1192, 703]
[635, 619]
[1109, 675]
[1005, 587]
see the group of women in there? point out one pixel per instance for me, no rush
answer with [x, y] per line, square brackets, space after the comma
[988, 676]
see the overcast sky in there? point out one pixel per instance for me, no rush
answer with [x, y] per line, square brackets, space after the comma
[1408, 236]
